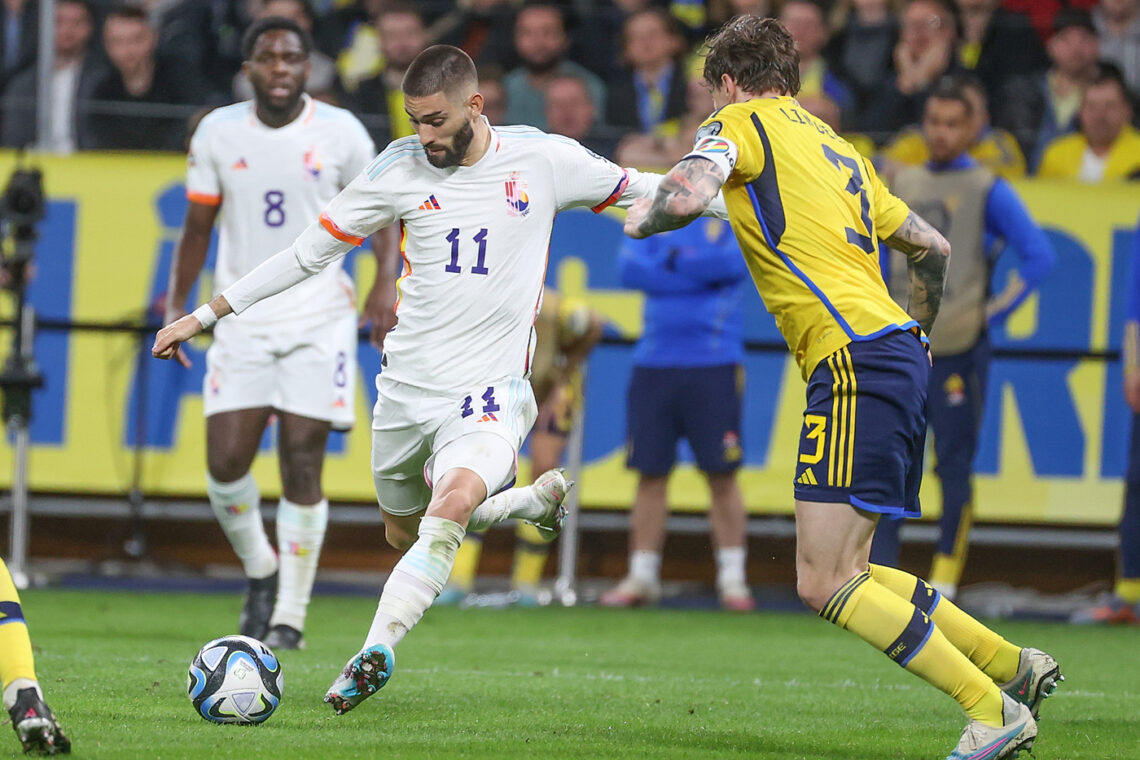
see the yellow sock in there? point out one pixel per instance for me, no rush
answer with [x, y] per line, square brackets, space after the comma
[15, 646]
[466, 562]
[996, 657]
[530, 557]
[1128, 589]
[904, 633]
[946, 570]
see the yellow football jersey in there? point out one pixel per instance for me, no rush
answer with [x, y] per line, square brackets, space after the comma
[808, 211]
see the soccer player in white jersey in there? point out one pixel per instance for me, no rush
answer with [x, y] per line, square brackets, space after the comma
[270, 165]
[476, 205]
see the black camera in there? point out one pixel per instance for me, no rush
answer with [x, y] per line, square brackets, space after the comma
[24, 202]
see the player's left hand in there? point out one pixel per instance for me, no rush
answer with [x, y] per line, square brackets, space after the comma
[380, 313]
[635, 216]
[169, 338]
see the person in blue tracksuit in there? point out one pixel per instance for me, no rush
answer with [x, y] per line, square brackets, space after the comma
[687, 382]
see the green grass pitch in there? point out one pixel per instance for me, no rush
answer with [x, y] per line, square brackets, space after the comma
[550, 683]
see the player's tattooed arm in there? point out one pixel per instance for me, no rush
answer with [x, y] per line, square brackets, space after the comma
[928, 257]
[684, 194]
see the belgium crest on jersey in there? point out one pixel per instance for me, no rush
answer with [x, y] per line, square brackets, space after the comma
[518, 201]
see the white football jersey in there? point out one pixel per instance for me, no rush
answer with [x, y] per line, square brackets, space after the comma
[271, 184]
[474, 240]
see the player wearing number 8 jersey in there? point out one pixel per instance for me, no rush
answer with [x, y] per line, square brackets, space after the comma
[268, 166]
[808, 213]
[476, 205]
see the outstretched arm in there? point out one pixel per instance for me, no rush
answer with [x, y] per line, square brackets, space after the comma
[684, 194]
[928, 256]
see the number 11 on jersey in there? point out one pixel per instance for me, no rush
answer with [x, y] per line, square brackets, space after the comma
[480, 238]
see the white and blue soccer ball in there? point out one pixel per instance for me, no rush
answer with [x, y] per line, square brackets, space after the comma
[235, 679]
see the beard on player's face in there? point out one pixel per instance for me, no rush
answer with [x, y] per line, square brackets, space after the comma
[453, 154]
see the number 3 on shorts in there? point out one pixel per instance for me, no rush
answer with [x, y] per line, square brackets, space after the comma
[816, 424]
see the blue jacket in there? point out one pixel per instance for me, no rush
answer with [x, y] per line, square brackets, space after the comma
[694, 280]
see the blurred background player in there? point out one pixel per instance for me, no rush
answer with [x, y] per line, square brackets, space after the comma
[981, 215]
[36, 727]
[274, 163]
[687, 383]
[1122, 605]
[809, 232]
[566, 331]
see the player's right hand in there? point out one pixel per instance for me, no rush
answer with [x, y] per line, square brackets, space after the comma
[169, 339]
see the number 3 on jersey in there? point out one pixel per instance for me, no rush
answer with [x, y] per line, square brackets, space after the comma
[480, 238]
[855, 187]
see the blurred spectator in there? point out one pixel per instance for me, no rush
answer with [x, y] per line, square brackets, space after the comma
[827, 110]
[805, 22]
[202, 37]
[981, 215]
[1118, 23]
[1040, 107]
[19, 39]
[662, 151]
[541, 42]
[1108, 146]
[348, 35]
[1041, 13]
[597, 42]
[722, 10]
[649, 95]
[865, 35]
[570, 112]
[73, 80]
[482, 28]
[494, 98]
[995, 149]
[925, 52]
[997, 45]
[133, 101]
[379, 100]
[322, 77]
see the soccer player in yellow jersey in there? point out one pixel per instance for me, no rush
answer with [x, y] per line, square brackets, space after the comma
[808, 212]
[36, 728]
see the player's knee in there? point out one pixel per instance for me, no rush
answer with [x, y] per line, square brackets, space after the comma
[301, 479]
[225, 467]
[455, 504]
[814, 589]
[398, 538]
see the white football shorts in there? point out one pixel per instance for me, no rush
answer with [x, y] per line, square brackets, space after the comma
[308, 371]
[411, 428]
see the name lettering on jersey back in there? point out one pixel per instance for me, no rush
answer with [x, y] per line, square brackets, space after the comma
[805, 118]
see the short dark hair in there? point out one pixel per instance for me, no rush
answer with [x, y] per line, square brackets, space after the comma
[128, 11]
[273, 24]
[758, 53]
[439, 68]
[954, 88]
[1109, 73]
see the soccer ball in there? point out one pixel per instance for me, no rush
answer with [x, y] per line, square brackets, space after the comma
[235, 679]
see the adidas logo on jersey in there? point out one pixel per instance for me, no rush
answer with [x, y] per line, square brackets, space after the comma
[807, 478]
[489, 417]
[240, 164]
[431, 204]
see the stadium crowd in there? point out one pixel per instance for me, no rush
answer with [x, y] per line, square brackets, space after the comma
[620, 76]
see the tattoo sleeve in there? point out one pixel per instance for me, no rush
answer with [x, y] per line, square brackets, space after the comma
[928, 257]
[686, 191]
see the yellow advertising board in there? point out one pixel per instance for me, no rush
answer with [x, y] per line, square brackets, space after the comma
[1053, 446]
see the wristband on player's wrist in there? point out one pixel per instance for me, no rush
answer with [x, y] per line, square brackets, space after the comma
[205, 316]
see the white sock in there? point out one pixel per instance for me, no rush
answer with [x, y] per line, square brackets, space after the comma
[522, 503]
[730, 563]
[300, 534]
[416, 581]
[13, 688]
[237, 506]
[645, 567]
